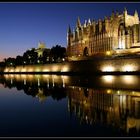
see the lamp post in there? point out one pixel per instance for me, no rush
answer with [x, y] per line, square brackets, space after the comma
[38, 61]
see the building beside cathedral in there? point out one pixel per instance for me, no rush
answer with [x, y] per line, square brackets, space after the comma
[41, 48]
[119, 32]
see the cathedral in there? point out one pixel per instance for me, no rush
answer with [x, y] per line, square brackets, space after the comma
[120, 31]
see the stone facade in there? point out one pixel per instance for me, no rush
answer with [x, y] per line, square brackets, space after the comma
[117, 32]
[40, 49]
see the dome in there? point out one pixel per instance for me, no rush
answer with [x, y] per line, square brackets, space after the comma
[41, 45]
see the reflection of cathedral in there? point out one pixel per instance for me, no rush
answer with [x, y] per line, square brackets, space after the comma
[112, 107]
[118, 108]
[117, 32]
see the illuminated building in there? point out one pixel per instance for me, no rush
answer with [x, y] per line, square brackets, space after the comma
[118, 32]
[41, 48]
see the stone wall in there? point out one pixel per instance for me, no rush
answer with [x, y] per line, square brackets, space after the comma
[86, 66]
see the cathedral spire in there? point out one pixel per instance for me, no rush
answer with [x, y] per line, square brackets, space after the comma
[85, 24]
[125, 11]
[136, 16]
[89, 22]
[69, 30]
[136, 13]
[113, 12]
[112, 15]
[78, 24]
[117, 12]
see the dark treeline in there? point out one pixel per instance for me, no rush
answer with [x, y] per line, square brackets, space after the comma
[56, 54]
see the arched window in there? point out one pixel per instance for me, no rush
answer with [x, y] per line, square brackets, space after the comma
[85, 52]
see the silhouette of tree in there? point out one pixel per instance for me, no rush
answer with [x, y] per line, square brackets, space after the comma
[58, 53]
[2, 64]
[19, 60]
[30, 56]
[55, 93]
[10, 61]
[55, 54]
[46, 56]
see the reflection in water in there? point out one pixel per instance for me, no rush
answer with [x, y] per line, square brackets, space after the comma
[108, 78]
[24, 81]
[112, 107]
[108, 100]
[39, 86]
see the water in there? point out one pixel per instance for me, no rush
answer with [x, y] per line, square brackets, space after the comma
[69, 106]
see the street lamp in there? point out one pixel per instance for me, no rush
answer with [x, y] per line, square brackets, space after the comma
[38, 61]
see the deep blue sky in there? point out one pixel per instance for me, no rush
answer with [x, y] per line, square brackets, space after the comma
[22, 25]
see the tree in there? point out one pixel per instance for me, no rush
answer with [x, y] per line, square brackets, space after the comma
[10, 61]
[57, 53]
[46, 56]
[2, 64]
[19, 60]
[30, 56]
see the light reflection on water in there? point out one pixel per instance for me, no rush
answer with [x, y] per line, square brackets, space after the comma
[111, 102]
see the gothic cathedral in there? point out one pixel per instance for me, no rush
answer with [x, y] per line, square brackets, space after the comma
[117, 32]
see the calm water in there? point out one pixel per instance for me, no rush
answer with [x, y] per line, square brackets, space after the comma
[70, 106]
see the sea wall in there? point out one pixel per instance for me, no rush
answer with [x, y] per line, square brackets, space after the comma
[124, 64]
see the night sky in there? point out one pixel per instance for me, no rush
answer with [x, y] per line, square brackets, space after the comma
[23, 25]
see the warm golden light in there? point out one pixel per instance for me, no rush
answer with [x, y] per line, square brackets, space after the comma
[108, 78]
[63, 82]
[65, 69]
[66, 78]
[30, 70]
[45, 70]
[6, 70]
[55, 68]
[38, 70]
[128, 68]
[45, 76]
[108, 53]
[53, 82]
[109, 91]
[11, 75]
[55, 76]
[118, 92]
[38, 82]
[17, 70]
[23, 70]
[23, 76]
[122, 99]
[108, 69]
[6, 76]
[121, 44]
[17, 77]
[129, 79]
[11, 70]
[30, 77]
